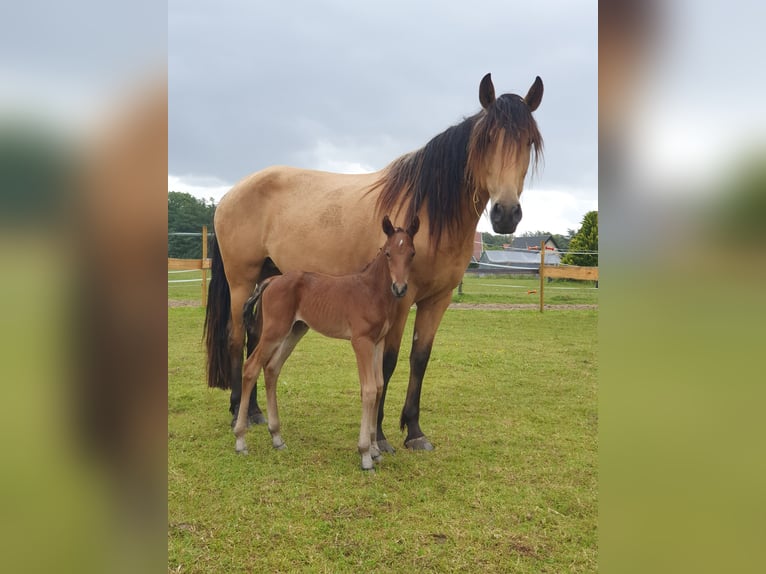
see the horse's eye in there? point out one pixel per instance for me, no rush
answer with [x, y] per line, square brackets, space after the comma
[388, 254]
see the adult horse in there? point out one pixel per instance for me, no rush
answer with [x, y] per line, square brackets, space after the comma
[265, 223]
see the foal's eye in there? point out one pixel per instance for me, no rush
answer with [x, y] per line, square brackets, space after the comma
[388, 254]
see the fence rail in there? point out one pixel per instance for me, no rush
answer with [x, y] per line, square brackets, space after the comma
[175, 264]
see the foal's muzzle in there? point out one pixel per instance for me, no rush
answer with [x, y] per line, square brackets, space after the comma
[505, 218]
[398, 291]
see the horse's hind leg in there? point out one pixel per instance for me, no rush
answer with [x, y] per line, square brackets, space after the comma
[271, 376]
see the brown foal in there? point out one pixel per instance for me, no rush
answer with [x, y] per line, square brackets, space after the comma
[360, 307]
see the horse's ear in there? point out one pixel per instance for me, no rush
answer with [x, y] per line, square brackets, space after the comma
[486, 91]
[388, 228]
[535, 94]
[414, 226]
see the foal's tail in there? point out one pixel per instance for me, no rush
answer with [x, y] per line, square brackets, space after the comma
[254, 321]
[217, 323]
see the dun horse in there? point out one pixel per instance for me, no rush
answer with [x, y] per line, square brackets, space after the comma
[264, 223]
[359, 307]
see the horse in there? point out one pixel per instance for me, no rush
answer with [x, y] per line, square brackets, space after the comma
[359, 307]
[264, 224]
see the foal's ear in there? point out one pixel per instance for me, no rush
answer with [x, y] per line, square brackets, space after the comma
[535, 94]
[388, 228]
[414, 226]
[486, 91]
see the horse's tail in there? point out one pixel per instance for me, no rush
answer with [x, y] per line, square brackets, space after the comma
[254, 321]
[216, 328]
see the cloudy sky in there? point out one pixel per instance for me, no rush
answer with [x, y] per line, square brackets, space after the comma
[349, 86]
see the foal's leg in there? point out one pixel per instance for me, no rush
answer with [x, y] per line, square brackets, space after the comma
[429, 315]
[364, 349]
[239, 295]
[271, 376]
[377, 366]
[249, 376]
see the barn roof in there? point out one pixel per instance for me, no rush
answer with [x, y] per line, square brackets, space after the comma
[532, 242]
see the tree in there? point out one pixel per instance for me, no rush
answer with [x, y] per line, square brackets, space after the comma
[585, 243]
[187, 214]
[494, 242]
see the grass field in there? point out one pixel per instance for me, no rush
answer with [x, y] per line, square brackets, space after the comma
[509, 402]
[489, 289]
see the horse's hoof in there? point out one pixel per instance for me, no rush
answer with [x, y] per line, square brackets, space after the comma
[243, 452]
[377, 457]
[280, 446]
[419, 443]
[385, 446]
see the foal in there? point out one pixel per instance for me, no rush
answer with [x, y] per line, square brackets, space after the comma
[359, 307]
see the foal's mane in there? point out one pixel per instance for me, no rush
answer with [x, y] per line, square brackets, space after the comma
[447, 173]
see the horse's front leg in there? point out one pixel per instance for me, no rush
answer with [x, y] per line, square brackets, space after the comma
[239, 296]
[364, 349]
[390, 356]
[429, 315]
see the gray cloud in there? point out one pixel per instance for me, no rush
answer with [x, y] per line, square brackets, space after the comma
[256, 84]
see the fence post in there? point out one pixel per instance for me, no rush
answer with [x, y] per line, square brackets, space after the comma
[204, 271]
[542, 273]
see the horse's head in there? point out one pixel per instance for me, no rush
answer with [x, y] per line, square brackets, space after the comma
[502, 143]
[399, 251]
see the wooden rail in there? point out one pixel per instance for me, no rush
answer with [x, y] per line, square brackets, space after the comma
[562, 272]
[175, 264]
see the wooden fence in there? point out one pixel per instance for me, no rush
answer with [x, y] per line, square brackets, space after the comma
[192, 264]
[562, 272]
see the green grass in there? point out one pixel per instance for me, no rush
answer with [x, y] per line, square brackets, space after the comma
[489, 289]
[515, 289]
[509, 401]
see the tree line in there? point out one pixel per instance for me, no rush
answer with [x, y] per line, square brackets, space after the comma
[187, 214]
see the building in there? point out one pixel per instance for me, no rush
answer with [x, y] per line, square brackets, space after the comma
[534, 243]
[516, 260]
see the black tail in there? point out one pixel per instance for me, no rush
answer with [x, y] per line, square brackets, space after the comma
[217, 323]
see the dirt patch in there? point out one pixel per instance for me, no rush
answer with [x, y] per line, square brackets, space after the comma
[482, 306]
[184, 303]
[518, 306]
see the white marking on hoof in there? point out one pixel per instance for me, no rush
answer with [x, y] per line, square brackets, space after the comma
[367, 462]
[241, 445]
[278, 443]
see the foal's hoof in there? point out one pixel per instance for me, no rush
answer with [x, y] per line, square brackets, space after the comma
[367, 464]
[385, 446]
[419, 443]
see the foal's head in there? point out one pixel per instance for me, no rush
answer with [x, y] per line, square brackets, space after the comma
[399, 252]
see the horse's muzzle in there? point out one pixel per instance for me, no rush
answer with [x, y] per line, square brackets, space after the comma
[398, 291]
[505, 219]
